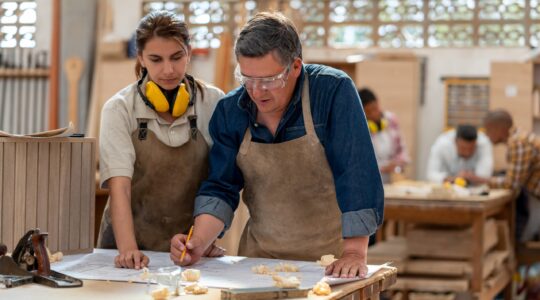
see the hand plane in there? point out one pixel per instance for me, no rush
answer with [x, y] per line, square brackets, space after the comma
[29, 262]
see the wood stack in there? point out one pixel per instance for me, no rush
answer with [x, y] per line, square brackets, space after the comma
[438, 260]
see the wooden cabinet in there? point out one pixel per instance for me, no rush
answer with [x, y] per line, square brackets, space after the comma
[397, 84]
[511, 88]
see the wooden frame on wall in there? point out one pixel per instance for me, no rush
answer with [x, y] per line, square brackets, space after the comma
[466, 100]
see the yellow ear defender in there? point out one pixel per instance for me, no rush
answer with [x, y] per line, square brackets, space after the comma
[160, 103]
[374, 127]
[156, 100]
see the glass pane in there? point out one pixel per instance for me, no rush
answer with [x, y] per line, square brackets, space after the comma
[501, 9]
[511, 35]
[206, 36]
[444, 35]
[409, 36]
[534, 39]
[307, 10]
[313, 36]
[404, 10]
[451, 10]
[346, 11]
[7, 36]
[535, 9]
[350, 36]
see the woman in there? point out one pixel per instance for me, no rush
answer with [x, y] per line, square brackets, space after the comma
[154, 145]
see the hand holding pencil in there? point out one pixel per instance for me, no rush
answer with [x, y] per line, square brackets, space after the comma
[188, 249]
[187, 241]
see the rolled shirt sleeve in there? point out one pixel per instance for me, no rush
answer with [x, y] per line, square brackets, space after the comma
[219, 194]
[351, 157]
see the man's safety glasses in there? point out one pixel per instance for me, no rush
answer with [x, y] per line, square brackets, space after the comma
[266, 83]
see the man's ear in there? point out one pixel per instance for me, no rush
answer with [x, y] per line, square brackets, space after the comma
[296, 67]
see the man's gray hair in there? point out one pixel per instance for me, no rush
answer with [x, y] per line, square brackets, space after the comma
[267, 32]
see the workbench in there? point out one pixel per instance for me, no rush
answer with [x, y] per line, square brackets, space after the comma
[464, 210]
[365, 289]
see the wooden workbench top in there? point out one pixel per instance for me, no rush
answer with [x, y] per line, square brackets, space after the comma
[104, 290]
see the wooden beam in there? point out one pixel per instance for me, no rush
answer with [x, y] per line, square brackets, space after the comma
[54, 80]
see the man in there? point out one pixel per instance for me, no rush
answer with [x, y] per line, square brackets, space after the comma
[294, 137]
[523, 170]
[459, 152]
[385, 135]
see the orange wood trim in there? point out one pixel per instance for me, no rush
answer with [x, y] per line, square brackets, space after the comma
[54, 80]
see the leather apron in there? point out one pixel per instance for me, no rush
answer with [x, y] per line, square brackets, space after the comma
[163, 189]
[290, 192]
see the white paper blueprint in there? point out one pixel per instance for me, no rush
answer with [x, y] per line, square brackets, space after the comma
[223, 272]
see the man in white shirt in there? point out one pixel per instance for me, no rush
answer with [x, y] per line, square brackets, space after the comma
[460, 151]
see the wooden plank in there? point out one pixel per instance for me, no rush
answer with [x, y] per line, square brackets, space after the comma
[1, 190]
[43, 186]
[75, 196]
[493, 262]
[63, 196]
[20, 190]
[92, 188]
[438, 267]
[431, 285]
[87, 181]
[448, 242]
[8, 204]
[431, 296]
[54, 194]
[31, 185]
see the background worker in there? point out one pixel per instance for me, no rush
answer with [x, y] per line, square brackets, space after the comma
[459, 152]
[523, 161]
[386, 136]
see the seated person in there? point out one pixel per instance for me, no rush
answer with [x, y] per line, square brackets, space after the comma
[458, 152]
[385, 134]
[523, 172]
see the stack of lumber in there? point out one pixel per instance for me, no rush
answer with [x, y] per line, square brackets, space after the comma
[438, 260]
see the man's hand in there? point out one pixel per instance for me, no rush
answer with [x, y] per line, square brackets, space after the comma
[194, 249]
[353, 260]
[349, 265]
[131, 259]
[472, 178]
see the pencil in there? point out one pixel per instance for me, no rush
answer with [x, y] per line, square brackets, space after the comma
[187, 240]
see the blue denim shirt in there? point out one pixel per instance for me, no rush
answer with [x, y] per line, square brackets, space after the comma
[341, 126]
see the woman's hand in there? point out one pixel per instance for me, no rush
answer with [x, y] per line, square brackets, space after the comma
[131, 259]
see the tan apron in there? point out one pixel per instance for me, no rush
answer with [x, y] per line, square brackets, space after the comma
[163, 189]
[289, 190]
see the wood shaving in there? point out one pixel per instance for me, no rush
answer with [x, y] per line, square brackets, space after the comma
[286, 268]
[56, 257]
[196, 289]
[286, 282]
[191, 275]
[326, 260]
[262, 269]
[321, 289]
[161, 293]
[145, 274]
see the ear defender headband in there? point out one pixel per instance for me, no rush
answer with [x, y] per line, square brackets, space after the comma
[375, 127]
[156, 100]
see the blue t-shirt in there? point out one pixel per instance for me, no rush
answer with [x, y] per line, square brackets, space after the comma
[341, 126]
